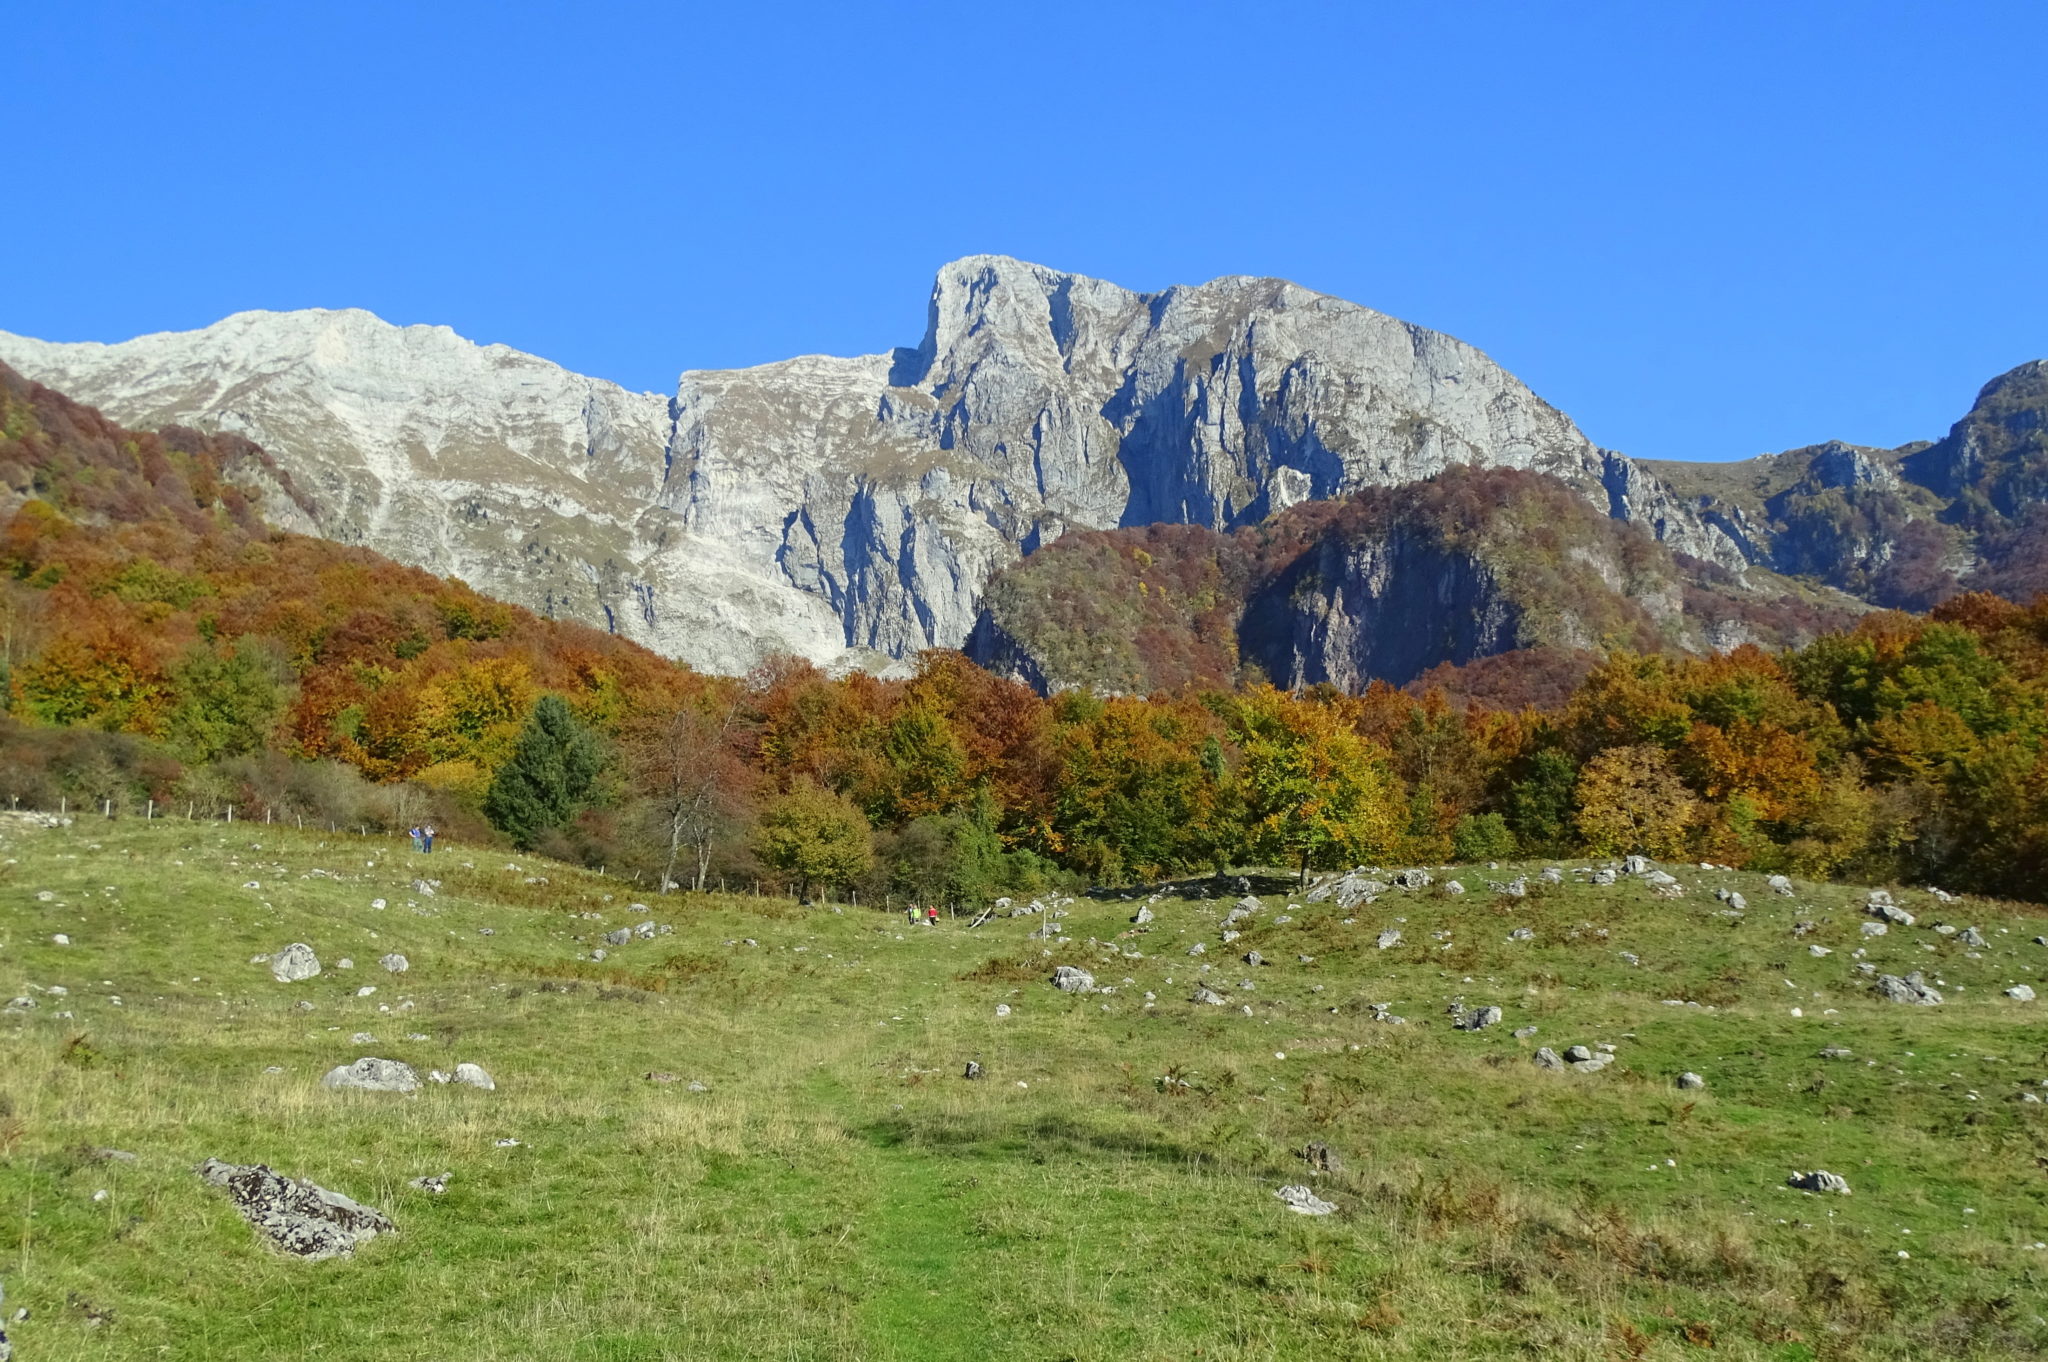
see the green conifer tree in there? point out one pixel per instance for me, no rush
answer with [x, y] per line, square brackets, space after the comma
[551, 774]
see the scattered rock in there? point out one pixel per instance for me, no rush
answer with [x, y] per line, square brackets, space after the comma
[1881, 906]
[362, 1038]
[1546, 1058]
[1522, 934]
[373, 1075]
[696, 1085]
[1911, 989]
[395, 963]
[1578, 1054]
[475, 1076]
[1875, 929]
[305, 1220]
[2020, 993]
[1143, 916]
[973, 1069]
[1321, 1157]
[1691, 1081]
[1837, 1052]
[1072, 979]
[1302, 1201]
[1384, 1012]
[1524, 1032]
[1475, 1018]
[1552, 875]
[1414, 879]
[1204, 994]
[1453, 888]
[1389, 939]
[1972, 938]
[434, 1185]
[1198, 949]
[293, 963]
[619, 937]
[1819, 1180]
[1604, 876]
[1819, 950]
[1780, 885]
[1002, 1009]
[661, 1076]
[1254, 958]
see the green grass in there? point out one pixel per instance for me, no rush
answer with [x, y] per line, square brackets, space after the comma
[839, 1191]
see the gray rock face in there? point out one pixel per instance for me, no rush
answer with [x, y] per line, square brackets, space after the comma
[1204, 994]
[1691, 1082]
[293, 963]
[618, 937]
[373, 1075]
[847, 510]
[1547, 1058]
[304, 1220]
[475, 1076]
[1819, 1180]
[2020, 993]
[395, 962]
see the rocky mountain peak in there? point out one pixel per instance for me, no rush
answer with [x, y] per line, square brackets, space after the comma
[850, 510]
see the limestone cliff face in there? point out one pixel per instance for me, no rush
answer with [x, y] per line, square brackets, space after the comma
[851, 510]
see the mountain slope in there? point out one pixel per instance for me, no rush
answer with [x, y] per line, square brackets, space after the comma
[1381, 584]
[850, 509]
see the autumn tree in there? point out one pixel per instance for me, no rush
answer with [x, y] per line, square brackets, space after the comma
[686, 764]
[1630, 800]
[1315, 792]
[815, 837]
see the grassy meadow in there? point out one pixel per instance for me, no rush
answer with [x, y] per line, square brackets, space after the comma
[837, 1189]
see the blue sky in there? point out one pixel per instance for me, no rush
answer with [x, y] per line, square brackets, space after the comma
[1704, 230]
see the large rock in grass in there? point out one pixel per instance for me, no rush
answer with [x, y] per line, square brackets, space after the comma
[293, 963]
[1911, 989]
[304, 1220]
[373, 1075]
[1069, 979]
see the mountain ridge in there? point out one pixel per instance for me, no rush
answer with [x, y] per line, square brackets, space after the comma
[851, 510]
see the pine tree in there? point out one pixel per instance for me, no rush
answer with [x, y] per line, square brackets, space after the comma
[551, 774]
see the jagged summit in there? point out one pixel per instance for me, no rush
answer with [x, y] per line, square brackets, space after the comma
[850, 509]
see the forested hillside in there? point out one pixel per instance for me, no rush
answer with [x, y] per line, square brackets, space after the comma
[160, 643]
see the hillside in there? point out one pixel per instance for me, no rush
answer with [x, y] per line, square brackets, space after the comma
[1905, 528]
[1384, 584]
[751, 1137]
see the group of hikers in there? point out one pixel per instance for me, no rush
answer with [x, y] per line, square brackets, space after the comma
[422, 837]
[929, 916]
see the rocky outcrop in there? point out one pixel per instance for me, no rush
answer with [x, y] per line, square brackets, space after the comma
[850, 510]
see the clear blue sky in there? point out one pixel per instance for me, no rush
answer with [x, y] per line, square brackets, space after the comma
[1704, 230]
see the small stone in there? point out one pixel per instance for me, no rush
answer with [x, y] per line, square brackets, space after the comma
[395, 963]
[1453, 888]
[302, 1006]
[434, 1185]
[1144, 915]
[1002, 1009]
[1522, 934]
[1389, 939]
[1875, 929]
[696, 1085]
[973, 1069]
[1546, 1058]
[366, 990]
[661, 1076]
[1478, 1018]
[1204, 994]
[362, 1038]
[1691, 1081]
[1820, 1180]
[1524, 1032]
[1198, 949]
[1972, 938]
[475, 1076]
[1254, 958]
[1818, 950]
[619, 937]
[1780, 885]
[2020, 993]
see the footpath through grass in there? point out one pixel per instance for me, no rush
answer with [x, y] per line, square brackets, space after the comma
[832, 1187]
